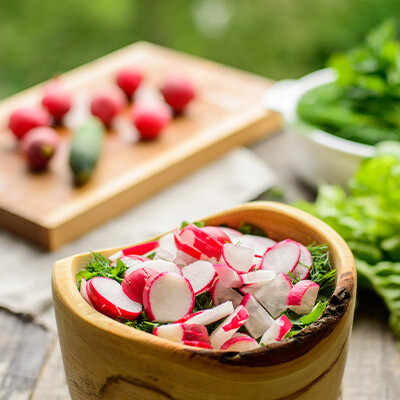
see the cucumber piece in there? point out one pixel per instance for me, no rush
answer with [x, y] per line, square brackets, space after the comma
[86, 147]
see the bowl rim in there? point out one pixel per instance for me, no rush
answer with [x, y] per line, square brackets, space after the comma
[65, 289]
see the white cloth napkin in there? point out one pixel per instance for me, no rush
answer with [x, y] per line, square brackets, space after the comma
[25, 271]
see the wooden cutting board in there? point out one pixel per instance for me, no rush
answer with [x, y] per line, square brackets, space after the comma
[49, 210]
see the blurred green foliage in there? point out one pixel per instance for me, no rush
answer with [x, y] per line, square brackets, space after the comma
[276, 38]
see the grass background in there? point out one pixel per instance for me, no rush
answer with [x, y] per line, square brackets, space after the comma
[275, 38]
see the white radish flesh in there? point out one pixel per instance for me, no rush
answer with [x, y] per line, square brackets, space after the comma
[282, 258]
[304, 265]
[206, 317]
[217, 233]
[261, 277]
[183, 332]
[167, 297]
[258, 243]
[167, 242]
[162, 266]
[302, 297]
[278, 330]
[200, 274]
[228, 276]
[133, 283]
[233, 234]
[251, 288]
[220, 294]
[83, 292]
[238, 257]
[184, 247]
[240, 343]
[182, 259]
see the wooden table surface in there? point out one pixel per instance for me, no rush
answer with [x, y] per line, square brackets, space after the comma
[31, 366]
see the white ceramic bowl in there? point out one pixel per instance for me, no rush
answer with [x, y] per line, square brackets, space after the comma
[316, 155]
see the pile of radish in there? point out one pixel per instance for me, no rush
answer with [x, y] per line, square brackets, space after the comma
[251, 280]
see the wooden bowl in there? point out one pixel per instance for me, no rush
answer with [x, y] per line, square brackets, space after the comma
[105, 359]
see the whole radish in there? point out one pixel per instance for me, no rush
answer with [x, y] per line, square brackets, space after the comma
[129, 79]
[39, 146]
[150, 119]
[56, 99]
[24, 119]
[178, 92]
[106, 105]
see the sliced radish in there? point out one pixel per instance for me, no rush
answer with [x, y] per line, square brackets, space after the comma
[251, 288]
[168, 242]
[259, 320]
[162, 266]
[200, 274]
[167, 297]
[206, 317]
[240, 343]
[220, 294]
[282, 257]
[130, 261]
[274, 294]
[261, 277]
[195, 343]
[257, 262]
[164, 254]
[141, 249]
[182, 259]
[233, 234]
[83, 291]
[228, 276]
[133, 283]
[277, 331]
[203, 235]
[258, 243]
[229, 327]
[304, 265]
[108, 298]
[190, 238]
[183, 332]
[186, 248]
[238, 257]
[217, 233]
[301, 298]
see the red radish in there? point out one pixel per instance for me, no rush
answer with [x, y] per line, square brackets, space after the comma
[238, 257]
[200, 274]
[259, 320]
[183, 246]
[197, 344]
[277, 331]
[211, 248]
[258, 243]
[217, 233]
[178, 92]
[129, 79]
[183, 333]
[282, 257]
[274, 294]
[133, 283]
[229, 327]
[233, 234]
[206, 317]
[137, 250]
[83, 291]
[204, 236]
[24, 119]
[240, 343]
[304, 265]
[301, 298]
[107, 105]
[56, 99]
[262, 277]
[228, 276]
[150, 120]
[39, 146]
[167, 297]
[220, 294]
[162, 266]
[108, 298]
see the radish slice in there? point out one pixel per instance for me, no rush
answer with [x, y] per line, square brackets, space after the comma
[108, 298]
[183, 332]
[133, 283]
[206, 248]
[277, 331]
[167, 242]
[301, 298]
[304, 265]
[184, 247]
[258, 243]
[162, 266]
[237, 257]
[228, 276]
[283, 257]
[220, 294]
[240, 343]
[182, 259]
[83, 291]
[140, 249]
[251, 288]
[257, 262]
[200, 274]
[206, 317]
[262, 277]
[202, 235]
[167, 297]
[229, 327]
[130, 261]
[164, 254]
[274, 294]
[217, 233]
[259, 320]
[233, 234]
[197, 344]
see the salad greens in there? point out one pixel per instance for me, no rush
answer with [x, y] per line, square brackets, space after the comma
[363, 104]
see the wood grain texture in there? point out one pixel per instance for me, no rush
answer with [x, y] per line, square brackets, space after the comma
[47, 208]
[136, 365]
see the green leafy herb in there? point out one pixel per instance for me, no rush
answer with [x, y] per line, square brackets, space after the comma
[203, 301]
[249, 229]
[199, 224]
[152, 255]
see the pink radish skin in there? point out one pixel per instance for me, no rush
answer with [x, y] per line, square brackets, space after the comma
[24, 119]
[261, 277]
[304, 265]
[206, 317]
[228, 276]
[167, 297]
[129, 79]
[190, 238]
[133, 284]
[278, 330]
[259, 320]
[107, 105]
[238, 257]
[233, 234]
[220, 294]
[202, 235]
[83, 292]
[274, 294]
[229, 327]
[302, 297]
[198, 344]
[200, 274]
[108, 298]
[141, 249]
[282, 257]
[183, 246]
[240, 343]
[183, 332]
[258, 243]
[217, 233]
[161, 266]
[56, 99]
